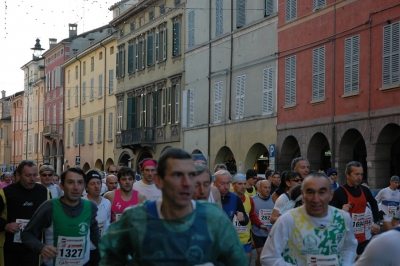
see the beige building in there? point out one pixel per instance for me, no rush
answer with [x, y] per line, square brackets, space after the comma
[5, 132]
[149, 78]
[17, 113]
[90, 106]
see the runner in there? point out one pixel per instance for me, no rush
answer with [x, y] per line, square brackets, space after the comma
[203, 188]
[389, 198]
[18, 202]
[46, 177]
[69, 223]
[174, 230]
[7, 180]
[146, 185]
[251, 180]
[124, 196]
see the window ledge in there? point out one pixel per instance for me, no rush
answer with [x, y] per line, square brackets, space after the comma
[84, 102]
[176, 58]
[162, 63]
[100, 97]
[288, 107]
[317, 101]
[390, 88]
[98, 142]
[68, 147]
[351, 95]
[112, 93]
[141, 71]
[91, 100]
[150, 68]
[109, 140]
[90, 143]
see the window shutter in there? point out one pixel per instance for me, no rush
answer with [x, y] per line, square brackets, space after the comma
[76, 95]
[217, 102]
[111, 81]
[134, 113]
[238, 93]
[185, 108]
[242, 92]
[290, 80]
[269, 7]
[150, 45]
[117, 65]
[130, 58]
[351, 68]
[165, 39]
[176, 37]
[240, 13]
[110, 126]
[318, 90]
[291, 10]
[100, 86]
[267, 102]
[157, 52]
[219, 18]
[99, 122]
[69, 135]
[143, 54]
[129, 114]
[391, 54]
[91, 130]
[317, 4]
[91, 88]
[191, 107]
[81, 134]
[191, 29]
[123, 63]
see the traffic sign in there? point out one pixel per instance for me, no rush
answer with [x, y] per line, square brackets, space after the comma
[77, 160]
[4, 169]
[12, 168]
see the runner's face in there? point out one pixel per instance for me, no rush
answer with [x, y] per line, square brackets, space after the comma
[111, 183]
[178, 183]
[73, 188]
[28, 176]
[264, 189]
[223, 183]
[276, 180]
[203, 187]
[148, 174]
[46, 178]
[56, 180]
[239, 187]
[126, 183]
[355, 177]
[94, 187]
[316, 196]
[394, 185]
[253, 180]
[303, 167]
[7, 178]
[112, 170]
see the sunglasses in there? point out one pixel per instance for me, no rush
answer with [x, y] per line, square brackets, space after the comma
[297, 180]
[46, 175]
[113, 171]
[333, 174]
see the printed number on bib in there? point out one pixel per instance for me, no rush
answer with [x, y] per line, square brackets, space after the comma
[239, 228]
[358, 222]
[265, 216]
[392, 210]
[71, 250]
[101, 227]
[22, 224]
[322, 260]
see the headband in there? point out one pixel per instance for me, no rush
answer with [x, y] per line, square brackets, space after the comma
[148, 163]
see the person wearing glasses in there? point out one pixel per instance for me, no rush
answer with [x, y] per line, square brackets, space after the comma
[251, 180]
[18, 202]
[112, 170]
[46, 173]
[332, 173]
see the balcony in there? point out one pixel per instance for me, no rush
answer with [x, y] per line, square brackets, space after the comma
[138, 137]
[52, 131]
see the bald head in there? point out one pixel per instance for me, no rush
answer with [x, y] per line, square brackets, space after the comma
[264, 188]
[111, 182]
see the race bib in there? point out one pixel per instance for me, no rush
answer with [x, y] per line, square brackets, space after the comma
[392, 210]
[265, 216]
[358, 222]
[71, 250]
[101, 225]
[22, 224]
[117, 216]
[322, 260]
[368, 220]
[239, 228]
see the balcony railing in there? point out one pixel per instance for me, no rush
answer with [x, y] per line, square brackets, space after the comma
[53, 130]
[141, 136]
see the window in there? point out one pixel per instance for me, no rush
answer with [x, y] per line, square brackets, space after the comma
[177, 92]
[131, 113]
[351, 64]
[176, 50]
[100, 86]
[317, 4]
[100, 55]
[39, 142]
[91, 130]
[161, 45]
[54, 114]
[120, 65]
[318, 87]
[290, 80]
[121, 33]
[111, 81]
[58, 77]
[24, 143]
[131, 55]
[218, 102]
[162, 9]
[99, 128]
[48, 115]
[191, 107]
[110, 126]
[84, 68]
[188, 99]
[155, 108]
[120, 110]
[268, 81]
[151, 15]
[240, 13]
[61, 112]
[76, 72]
[69, 99]
[36, 112]
[76, 95]
[30, 114]
[41, 112]
[191, 41]
[169, 105]
[132, 26]
[30, 143]
[79, 132]
[177, 2]
[92, 64]
[84, 92]
[68, 135]
[143, 107]
[269, 7]
[111, 50]
[142, 54]
[391, 54]
[150, 50]
[136, 53]
[92, 89]
[69, 76]
[240, 90]
[164, 106]
[291, 10]
[219, 29]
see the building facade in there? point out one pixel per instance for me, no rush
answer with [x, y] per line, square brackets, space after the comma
[339, 85]
[5, 132]
[17, 117]
[229, 101]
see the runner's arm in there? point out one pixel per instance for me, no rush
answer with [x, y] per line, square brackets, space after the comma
[348, 254]
[240, 208]
[372, 202]
[94, 227]
[253, 215]
[339, 198]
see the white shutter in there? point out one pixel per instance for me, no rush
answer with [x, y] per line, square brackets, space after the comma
[110, 126]
[91, 88]
[318, 87]
[351, 64]
[391, 54]
[267, 101]
[269, 7]
[191, 107]
[240, 13]
[191, 35]
[91, 130]
[237, 106]
[100, 86]
[184, 108]
[291, 10]
[99, 128]
[240, 92]
[69, 135]
[218, 102]
[290, 80]
[317, 4]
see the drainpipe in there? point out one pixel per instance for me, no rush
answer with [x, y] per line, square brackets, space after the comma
[333, 93]
[27, 121]
[104, 102]
[209, 86]
[230, 67]
[80, 98]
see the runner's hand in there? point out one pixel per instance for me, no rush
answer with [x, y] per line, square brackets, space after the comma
[12, 228]
[346, 207]
[49, 252]
[265, 228]
[239, 216]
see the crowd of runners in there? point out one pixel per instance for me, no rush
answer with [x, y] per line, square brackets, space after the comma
[181, 213]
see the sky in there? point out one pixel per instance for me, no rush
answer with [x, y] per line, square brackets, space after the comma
[22, 22]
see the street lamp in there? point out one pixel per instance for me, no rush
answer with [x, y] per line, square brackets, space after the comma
[37, 50]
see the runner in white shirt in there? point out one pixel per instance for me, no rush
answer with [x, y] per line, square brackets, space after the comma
[46, 177]
[146, 185]
[203, 189]
[389, 198]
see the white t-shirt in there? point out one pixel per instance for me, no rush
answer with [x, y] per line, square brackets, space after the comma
[151, 192]
[281, 202]
[390, 201]
[281, 233]
[55, 191]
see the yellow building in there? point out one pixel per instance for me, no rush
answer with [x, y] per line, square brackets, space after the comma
[5, 132]
[90, 106]
[149, 78]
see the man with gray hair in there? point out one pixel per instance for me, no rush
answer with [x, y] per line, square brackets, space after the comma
[231, 203]
[46, 179]
[203, 190]
[7, 180]
[301, 165]
[390, 200]
[313, 234]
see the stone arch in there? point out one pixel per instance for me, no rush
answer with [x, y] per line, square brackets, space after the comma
[387, 154]
[351, 148]
[86, 167]
[124, 158]
[290, 150]
[318, 152]
[98, 164]
[141, 156]
[225, 156]
[108, 163]
[196, 151]
[165, 149]
[253, 161]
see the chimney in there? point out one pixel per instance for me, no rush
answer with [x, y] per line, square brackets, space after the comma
[52, 42]
[91, 41]
[73, 30]
[3, 94]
